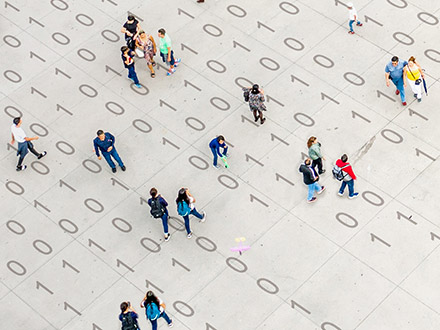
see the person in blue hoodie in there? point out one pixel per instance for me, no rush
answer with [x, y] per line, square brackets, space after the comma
[215, 145]
[105, 142]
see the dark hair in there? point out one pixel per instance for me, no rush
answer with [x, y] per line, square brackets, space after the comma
[153, 192]
[161, 31]
[124, 307]
[307, 161]
[394, 59]
[182, 196]
[100, 132]
[130, 18]
[124, 49]
[220, 138]
[255, 89]
[344, 158]
[310, 141]
[16, 120]
[151, 297]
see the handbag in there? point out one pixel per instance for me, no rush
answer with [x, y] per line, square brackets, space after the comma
[417, 81]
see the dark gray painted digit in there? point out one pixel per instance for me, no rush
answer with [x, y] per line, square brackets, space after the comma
[397, 135]
[18, 114]
[154, 250]
[40, 167]
[97, 209]
[221, 68]
[409, 40]
[285, 4]
[15, 191]
[90, 57]
[12, 76]
[248, 82]
[19, 225]
[210, 248]
[63, 5]
[433, 20]
[359, 80]
[200, 167]
[105, 34]
[201, 125]
[233, 183]
[212, 27]
[241, 12]
[177, 304]
[127, 227]
[119, 108]
[298, 45]
[226, 106]
[402, 5]
[180, 224]
[135, 124]
[73, 229]
[436, 52]
[64, 39]
[15, 44]
[310, 119]
[243, 268]
[64, 143]
[273, 290]
[38, 242]
[39, 129]
[380, 201]
[88, 21]
[92, 92]
[273, 66]
[12, 264]
[353, 224]
[97, 166]
[141, 91]
[329, 63]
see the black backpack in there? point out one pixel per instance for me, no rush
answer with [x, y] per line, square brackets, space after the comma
[128, 323]
[157, 210]
[246, 95]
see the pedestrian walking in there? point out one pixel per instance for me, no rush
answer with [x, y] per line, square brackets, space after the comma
[315, 153]
[159, 209]
[24, 143]
[185, 207]
[348, 177]
[415, 74]
[311, 178]
[105, 142]
[155, 309]
[353, 17]
[215, 145]
[166, 51]
[128, 317]
[146, 43]
[255, 96]
[395, 70]
[131, 30]
[127, 57]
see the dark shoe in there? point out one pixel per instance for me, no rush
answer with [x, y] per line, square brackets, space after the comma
[404, 103]
[322, 172]
[397, 92]
[21, 168]
[350, 32]
[359, 24]
[262, 121]
[311, 200]
[123, 168]
[256, 118]
[354, 196]
[114, 169]
[415, 95]
[322, 189]
[419, 100]
[44, 153]
[200, 1]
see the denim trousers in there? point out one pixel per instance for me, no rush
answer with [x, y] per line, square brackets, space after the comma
[350, 185]
[115, 155]
[214, 152]
[164, 315]
[400, 88]
[312, 188]
[165, 222]
[132, 74]
[186, 218]
[350, 24]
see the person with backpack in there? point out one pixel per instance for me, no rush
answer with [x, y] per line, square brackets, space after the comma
[344, 172]
[158, 210]
[154, 309]
[315, 153]
[215, 145]
[311, 178]
[128, 317]
[255, 97]
[185, 206]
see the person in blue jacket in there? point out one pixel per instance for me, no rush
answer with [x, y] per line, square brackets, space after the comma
[215, 145]
[105, 142]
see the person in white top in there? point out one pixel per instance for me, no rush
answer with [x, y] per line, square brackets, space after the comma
[353, 17]
[24, 143]
[186, 200]
[149, 300]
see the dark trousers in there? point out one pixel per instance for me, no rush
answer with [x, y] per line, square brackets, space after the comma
[130, 43]
[132, 74]
[113, 153]
[319, 163]
[23, 148]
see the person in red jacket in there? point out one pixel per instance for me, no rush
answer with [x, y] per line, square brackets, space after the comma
[349, 177]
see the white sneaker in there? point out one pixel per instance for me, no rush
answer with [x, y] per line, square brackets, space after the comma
[339, 194]
[167, 237]
[189, 235]
[204, 217]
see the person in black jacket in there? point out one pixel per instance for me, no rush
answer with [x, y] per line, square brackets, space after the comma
[311, 180]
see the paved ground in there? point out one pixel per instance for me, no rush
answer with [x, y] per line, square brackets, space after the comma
[77, 240]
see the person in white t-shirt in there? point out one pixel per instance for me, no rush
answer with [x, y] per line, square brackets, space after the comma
[185, 207]
[155, 309]
[24, 143]
[353, 17]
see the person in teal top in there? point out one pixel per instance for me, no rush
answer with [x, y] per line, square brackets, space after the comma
[315, 153]
[166, 52]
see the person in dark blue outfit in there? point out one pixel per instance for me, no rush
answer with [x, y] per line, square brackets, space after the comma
[159, 209]
[215, 145]
[105, 142]
[127, 57]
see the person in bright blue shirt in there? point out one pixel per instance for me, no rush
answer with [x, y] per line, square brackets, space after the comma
[105, 142]
[215, 145]
[395, 70]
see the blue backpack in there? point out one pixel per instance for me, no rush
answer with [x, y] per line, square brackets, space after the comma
[183, 208]
[152, 311]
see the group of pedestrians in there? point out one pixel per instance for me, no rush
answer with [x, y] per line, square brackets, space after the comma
[342, 171]
[143, 44]
[154, 309]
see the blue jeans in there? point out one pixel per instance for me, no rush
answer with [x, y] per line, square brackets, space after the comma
[350, 185]
[186, 218]
[164, 315]
[214, 152]
[165, 58]
[350, 24]
[115, 155]
[165, 222]
[312, 188]
[132, 74]
[400, 88]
